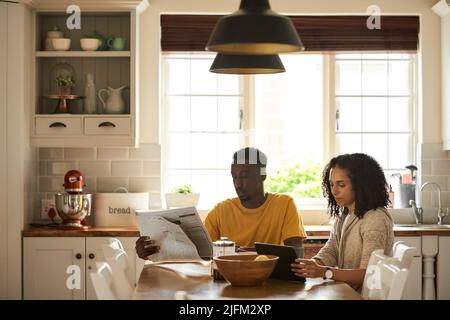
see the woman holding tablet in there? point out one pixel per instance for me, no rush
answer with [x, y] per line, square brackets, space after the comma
[358, 195]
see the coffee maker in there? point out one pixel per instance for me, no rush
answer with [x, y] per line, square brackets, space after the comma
[73, 206]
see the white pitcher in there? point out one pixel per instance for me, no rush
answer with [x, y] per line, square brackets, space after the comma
[114, 102]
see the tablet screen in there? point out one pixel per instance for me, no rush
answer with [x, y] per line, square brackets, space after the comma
[287, 256]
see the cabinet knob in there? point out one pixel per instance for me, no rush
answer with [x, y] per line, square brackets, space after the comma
[89, 268]
[58, 125]
[78, 256]
[91, 256]
[107, 124]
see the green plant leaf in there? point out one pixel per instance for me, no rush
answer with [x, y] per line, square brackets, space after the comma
[302, 180]
[184, 189]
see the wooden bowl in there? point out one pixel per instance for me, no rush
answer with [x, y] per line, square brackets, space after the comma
[244, 271]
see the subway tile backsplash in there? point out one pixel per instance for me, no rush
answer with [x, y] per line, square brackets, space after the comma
[139, 170]
[105, 170]
[435, 167]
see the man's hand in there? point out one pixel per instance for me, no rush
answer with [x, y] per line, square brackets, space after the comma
[308, 268]
[145, 247]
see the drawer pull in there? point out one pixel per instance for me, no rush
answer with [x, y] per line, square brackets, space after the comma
[91, 256]
[107, 124]
[58, 125]
[78, 256]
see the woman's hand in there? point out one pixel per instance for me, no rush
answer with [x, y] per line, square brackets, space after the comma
[308, 268]
[146, 247]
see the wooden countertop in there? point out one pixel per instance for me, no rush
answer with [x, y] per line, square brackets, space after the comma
[92, 232]
[312, 231]
[163, 281]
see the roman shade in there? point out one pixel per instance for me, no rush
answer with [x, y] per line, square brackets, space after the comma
[318, 33]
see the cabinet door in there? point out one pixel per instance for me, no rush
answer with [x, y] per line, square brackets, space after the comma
[413, 287]
[94, 254]
[443, 269]
[48, 266]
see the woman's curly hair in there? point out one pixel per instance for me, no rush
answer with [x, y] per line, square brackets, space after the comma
[368, 183]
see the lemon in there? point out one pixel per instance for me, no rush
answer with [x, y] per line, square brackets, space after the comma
[261, 258]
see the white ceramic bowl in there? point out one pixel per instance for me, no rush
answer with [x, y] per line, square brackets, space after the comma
[61, 44]
[90, 44]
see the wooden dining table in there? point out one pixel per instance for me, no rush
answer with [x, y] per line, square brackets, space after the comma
[194, 281]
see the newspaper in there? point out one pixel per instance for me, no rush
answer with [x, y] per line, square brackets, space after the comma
[179, 233]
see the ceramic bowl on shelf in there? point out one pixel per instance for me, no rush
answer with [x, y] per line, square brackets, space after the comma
[61, 44]
[90, 44]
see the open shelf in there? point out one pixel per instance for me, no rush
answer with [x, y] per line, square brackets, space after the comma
[82, 54]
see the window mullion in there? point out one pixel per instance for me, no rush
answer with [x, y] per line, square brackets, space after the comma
[329, 107]
[248, 110]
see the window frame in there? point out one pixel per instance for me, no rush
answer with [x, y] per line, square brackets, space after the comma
[329, 112]
[414, 107]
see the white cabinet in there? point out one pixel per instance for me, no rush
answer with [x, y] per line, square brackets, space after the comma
[47, 259]
[413, 287]
[443, 269]
[45, 264]
[58, 122]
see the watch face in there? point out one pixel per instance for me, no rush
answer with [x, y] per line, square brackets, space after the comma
[328, 274]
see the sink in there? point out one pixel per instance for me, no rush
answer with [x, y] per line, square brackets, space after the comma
[424, 226]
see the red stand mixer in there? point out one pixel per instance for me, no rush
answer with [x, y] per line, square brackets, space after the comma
[73, 206]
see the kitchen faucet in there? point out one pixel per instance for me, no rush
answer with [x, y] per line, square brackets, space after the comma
[441, 214]
[418, 212]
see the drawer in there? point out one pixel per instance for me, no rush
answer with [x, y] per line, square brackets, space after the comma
[107, 126]
[58, 126]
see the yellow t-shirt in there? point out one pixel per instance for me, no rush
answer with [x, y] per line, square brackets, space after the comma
[273, 222]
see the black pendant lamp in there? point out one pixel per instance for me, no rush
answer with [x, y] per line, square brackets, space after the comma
[247, 64]
[254, 29]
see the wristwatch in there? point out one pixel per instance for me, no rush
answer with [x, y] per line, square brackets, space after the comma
[328, 274]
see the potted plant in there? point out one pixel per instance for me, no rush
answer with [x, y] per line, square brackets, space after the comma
[182, 197]
[65, 84]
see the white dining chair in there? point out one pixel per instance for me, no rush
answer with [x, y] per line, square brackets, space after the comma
[122, 258]
[115, 243]
[391, 282]
[403, 254]
[102, 280]
[386, 276]
[123, 279]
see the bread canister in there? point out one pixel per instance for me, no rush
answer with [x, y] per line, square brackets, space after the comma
[53, 34]
[118, 209]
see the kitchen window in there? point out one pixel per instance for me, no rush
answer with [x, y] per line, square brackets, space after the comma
[374, 108]
[321, 106]
[203, 126]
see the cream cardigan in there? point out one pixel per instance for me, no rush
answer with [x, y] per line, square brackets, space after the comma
[361, 236]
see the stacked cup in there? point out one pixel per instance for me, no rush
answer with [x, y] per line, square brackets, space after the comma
[55, 41]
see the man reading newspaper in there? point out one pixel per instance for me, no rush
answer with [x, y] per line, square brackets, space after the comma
[254, 216]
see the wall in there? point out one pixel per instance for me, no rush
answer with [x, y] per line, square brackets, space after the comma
[429, 102]
[435, 164]
[105, 169]
[429, 66]
[17, 155]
